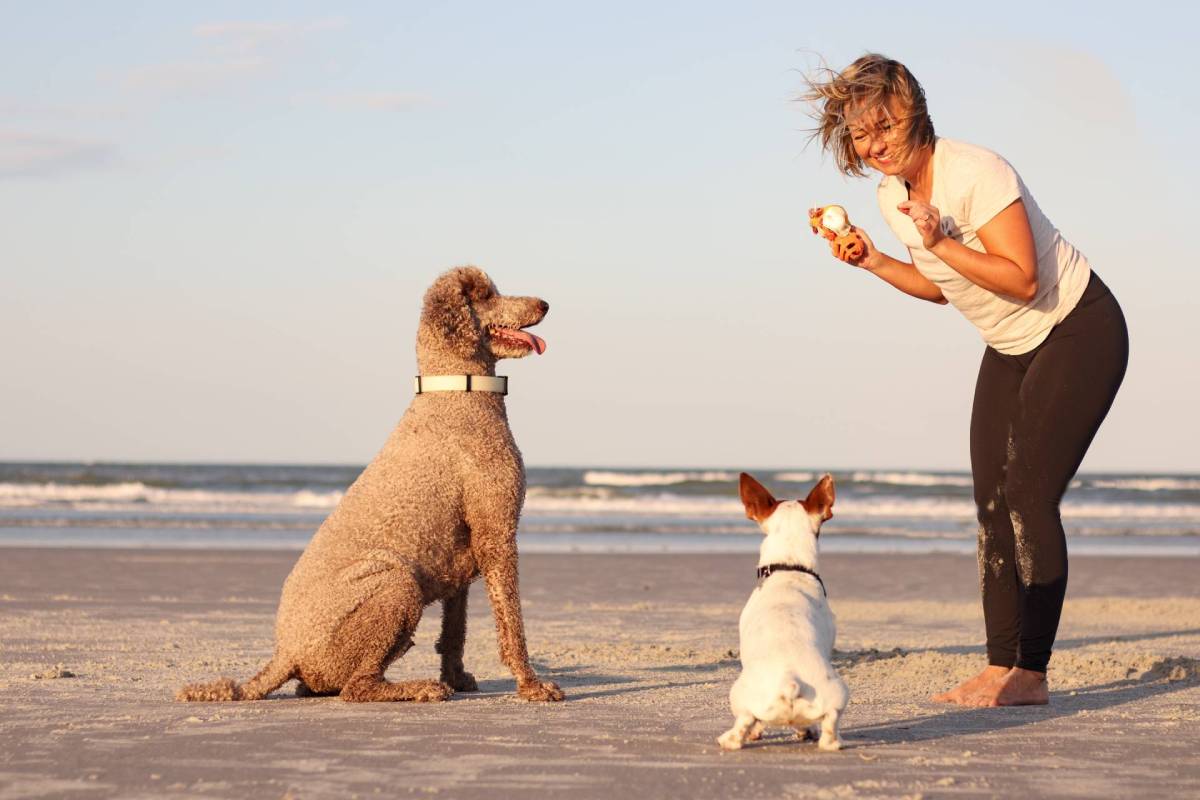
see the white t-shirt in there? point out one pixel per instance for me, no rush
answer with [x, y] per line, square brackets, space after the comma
[971, 185]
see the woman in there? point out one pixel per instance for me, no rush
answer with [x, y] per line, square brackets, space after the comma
[1056, 341]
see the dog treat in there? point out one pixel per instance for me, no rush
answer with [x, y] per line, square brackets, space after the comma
[833, 223]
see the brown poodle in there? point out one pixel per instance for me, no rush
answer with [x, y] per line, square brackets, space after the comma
[435, 509]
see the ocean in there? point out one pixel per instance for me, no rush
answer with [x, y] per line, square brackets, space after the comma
[572, 509]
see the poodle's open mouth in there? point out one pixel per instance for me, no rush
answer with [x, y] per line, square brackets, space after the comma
[516, 336]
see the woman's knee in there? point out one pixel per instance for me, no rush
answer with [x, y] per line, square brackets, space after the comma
[990, 503]
[1038, 534]
[1030, 499]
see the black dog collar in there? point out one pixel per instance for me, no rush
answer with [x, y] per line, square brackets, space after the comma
[765, 572]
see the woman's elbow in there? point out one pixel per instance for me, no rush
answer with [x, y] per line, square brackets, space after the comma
[1025, 287]
[1029, 290]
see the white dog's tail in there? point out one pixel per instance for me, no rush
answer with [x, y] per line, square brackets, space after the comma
[780, 706]
[271, 677]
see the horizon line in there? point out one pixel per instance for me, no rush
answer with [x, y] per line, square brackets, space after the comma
[5, 461]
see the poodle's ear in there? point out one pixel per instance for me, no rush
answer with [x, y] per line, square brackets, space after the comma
[476, 285]
[447, 311]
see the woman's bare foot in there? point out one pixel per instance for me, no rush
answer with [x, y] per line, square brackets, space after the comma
[971, 687]
[1020, 687]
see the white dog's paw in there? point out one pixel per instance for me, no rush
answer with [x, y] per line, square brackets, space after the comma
[730, 740]
[808, 734]
[829, 743]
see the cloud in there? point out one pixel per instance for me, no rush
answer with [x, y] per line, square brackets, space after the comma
[80, 112]
[237, 51]
[376, 101]
[31, 155]
[1075, 86]
[192, 77]
[253, 37]
[1082, 85]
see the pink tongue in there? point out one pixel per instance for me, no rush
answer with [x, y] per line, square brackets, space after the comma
[536, 342]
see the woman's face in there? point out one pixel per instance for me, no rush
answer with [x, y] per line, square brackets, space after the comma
[877, 135]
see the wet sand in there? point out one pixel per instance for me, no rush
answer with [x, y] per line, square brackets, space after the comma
[93, 644]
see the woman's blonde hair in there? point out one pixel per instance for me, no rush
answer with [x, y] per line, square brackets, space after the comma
[869, 83]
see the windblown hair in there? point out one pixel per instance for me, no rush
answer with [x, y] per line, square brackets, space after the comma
[872, 81]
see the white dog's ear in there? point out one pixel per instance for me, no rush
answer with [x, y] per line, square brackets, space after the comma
[820, 499]
[759, 502]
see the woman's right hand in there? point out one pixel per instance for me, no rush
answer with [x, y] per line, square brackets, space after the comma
[869, 259]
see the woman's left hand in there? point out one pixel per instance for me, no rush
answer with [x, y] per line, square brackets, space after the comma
[927, 219]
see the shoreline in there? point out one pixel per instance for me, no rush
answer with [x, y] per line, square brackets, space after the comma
[645, 648]
[603, 543]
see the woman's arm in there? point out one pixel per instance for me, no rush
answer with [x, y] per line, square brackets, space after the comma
[1009, 265]
[904, 276]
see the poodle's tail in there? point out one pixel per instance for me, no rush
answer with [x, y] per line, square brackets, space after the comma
[269, 678]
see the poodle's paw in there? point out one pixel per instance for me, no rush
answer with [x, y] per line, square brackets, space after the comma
[303, 690]
[216, 691]
[756, 732]
[540, 691]
[830, 743]
[461, 681]
[730, 740]
[433, 692]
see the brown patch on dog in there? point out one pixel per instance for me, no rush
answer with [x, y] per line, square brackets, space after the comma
[820, 499]
[759, 502]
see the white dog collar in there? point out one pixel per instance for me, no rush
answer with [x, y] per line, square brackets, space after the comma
[496, 384]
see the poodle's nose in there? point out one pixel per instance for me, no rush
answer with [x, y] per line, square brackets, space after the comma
[543, 306]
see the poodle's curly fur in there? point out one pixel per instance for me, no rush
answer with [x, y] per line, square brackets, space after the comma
[435, 509]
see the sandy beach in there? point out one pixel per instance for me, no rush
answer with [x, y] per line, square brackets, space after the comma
[93, 644]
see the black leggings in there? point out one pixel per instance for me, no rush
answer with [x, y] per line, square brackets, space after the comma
[1034, 416]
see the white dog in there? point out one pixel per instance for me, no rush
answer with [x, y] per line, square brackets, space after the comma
[786, 628]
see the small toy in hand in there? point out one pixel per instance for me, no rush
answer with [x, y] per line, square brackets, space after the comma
[833, 223]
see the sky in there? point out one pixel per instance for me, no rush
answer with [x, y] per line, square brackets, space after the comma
[217, 221]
